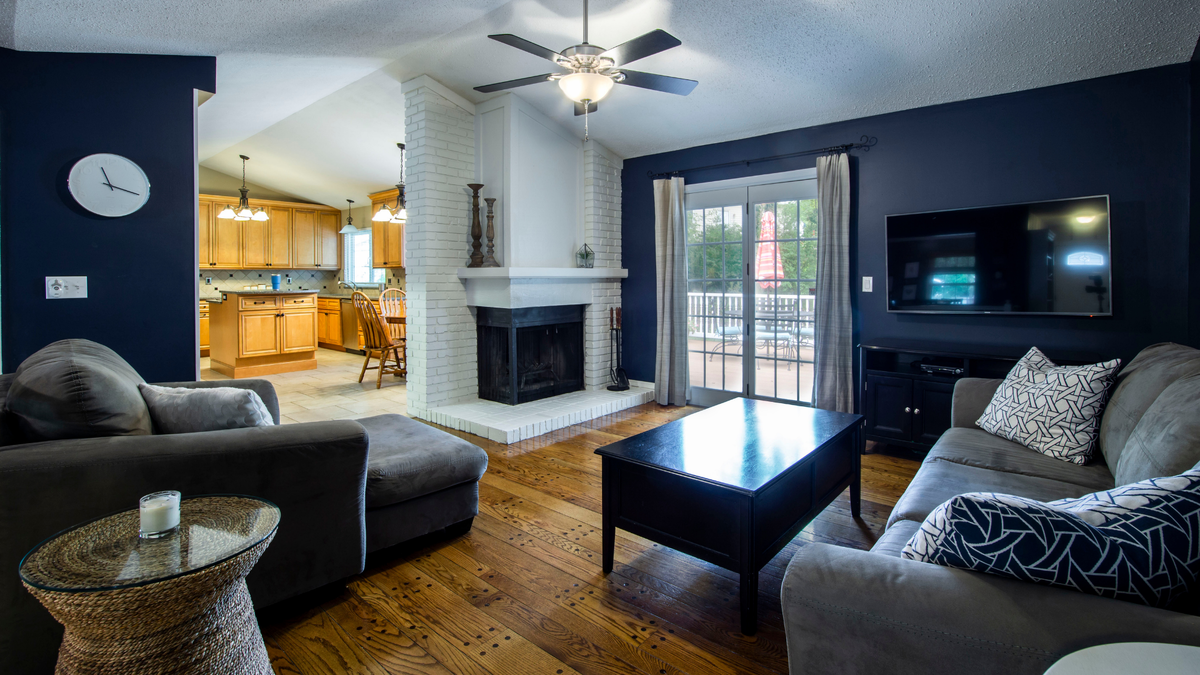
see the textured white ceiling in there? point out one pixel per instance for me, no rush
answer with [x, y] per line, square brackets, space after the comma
[299, 92]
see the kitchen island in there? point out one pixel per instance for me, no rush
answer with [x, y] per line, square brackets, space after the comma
[263, 332]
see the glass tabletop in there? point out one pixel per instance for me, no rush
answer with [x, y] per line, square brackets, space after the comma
[107, 554]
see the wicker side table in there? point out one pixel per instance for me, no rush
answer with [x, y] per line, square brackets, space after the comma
[173, 605]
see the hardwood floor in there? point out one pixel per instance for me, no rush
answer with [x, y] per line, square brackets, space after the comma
[522, 592]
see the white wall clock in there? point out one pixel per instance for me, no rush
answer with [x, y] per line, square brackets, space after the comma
[108, 185]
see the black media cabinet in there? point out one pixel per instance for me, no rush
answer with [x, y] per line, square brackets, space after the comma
[907, 407]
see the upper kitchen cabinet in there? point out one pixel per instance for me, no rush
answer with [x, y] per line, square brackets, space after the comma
[329, 249]
[387, 238]
[296, 236]
[305, 239]
[279, 251]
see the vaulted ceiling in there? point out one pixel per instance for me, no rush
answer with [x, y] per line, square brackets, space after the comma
[310, 89]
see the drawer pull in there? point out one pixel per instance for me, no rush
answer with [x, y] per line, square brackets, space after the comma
[916, 411]
[907, 409]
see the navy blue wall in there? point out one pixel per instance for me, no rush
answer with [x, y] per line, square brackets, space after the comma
[55, 109]
[1125, 135]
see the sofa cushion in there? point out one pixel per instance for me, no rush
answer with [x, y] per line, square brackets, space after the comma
[1147, 550]
[408, 459]
[1052, 409]
[893, 540]
[1166, 441]
[939, 480]
[77, 389]
[1138, 385]
[974, 447]
[177, 410]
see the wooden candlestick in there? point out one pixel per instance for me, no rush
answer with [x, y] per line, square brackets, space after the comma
[490, 259]
[476, 227]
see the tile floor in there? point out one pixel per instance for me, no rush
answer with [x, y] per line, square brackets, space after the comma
[332, 391]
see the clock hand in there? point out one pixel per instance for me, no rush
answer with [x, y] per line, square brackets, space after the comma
[108, 181]
[124, 190]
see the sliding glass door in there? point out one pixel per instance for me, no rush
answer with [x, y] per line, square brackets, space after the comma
[751, 285]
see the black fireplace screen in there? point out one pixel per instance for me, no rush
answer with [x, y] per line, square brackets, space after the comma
[530, 353]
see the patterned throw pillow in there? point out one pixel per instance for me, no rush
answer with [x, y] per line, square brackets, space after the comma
[1139, 542]
[1052, 409]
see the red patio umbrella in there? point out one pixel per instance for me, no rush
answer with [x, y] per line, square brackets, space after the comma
[769, 264]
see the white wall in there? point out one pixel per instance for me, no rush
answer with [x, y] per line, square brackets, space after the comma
[535, 169]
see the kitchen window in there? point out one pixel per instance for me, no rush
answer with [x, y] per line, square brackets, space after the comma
[357, 265]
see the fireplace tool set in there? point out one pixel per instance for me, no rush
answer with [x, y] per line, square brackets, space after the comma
[615, 371]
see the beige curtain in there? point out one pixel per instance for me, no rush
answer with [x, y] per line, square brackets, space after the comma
[833, 387]
[670, 262]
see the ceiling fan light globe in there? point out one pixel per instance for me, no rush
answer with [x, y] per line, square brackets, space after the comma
[580, 87]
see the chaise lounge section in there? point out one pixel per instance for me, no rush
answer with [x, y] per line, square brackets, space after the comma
[851, 611]
[345, 488]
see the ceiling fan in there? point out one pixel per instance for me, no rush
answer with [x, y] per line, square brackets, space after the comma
[592, 71]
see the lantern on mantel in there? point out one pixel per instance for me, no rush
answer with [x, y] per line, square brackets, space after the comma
[585, 257]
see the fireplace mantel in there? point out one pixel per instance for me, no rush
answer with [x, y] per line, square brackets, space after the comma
[518, 287]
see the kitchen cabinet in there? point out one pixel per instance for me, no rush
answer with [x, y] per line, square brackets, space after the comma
[329, 241]
[387, 238]
[329, 322]
[296, 236]
[204, 332]
[304, 238]
[279, 229]
[255, 333]
[204, 218]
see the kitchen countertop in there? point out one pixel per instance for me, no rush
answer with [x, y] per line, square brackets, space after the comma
[268, 291]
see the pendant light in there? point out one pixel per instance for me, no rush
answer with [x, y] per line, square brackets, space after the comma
[399, 213]
[349, 226]
[243, 211]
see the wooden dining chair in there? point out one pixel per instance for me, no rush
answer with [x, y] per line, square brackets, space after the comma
[378, 341]
[391, 303]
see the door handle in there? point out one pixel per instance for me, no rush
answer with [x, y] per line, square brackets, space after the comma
[907, 409]
[916, 411]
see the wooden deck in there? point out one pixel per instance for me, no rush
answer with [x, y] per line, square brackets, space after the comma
[523, 592]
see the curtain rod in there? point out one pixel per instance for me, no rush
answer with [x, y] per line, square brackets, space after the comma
[866, 143]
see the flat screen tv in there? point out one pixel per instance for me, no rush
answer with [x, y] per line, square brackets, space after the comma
[1038, 258]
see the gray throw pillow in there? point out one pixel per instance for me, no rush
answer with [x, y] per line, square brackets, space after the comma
[1052, 409]
[77, 389]
[178, 410]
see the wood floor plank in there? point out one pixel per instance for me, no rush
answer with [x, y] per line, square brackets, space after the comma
[523, 591]
[318, 646]
[396, 652]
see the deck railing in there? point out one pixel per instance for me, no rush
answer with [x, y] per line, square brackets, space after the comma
[718, 314]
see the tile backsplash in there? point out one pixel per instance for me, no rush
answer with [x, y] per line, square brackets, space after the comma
[318, 280]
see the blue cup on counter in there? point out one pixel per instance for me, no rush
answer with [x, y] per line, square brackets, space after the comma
[275, 281]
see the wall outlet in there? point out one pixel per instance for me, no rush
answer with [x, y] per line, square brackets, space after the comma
[61, 288]
[208, 281]
[868, 284]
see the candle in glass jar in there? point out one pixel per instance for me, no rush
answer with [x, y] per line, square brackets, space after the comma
[159, 513]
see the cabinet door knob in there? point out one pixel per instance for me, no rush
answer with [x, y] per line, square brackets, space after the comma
[916, 411]
[907, 409]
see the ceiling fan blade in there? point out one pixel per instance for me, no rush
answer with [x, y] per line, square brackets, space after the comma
[591, 108]
[525, 45]
[513, 84]
[671, 85]
[640, 47]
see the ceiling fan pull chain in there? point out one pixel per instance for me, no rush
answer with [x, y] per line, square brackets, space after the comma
[586, 105]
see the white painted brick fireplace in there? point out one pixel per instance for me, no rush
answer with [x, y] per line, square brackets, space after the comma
[555, 192]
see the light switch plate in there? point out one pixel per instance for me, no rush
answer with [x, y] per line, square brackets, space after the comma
[868, 284]
[61, 288]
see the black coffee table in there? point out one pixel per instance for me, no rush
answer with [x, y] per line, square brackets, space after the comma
[732, 484]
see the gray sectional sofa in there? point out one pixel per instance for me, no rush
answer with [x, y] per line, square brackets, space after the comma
[345, 488]
[851, 611]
